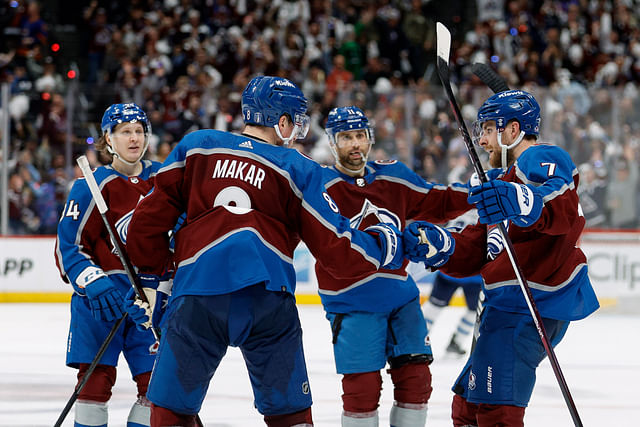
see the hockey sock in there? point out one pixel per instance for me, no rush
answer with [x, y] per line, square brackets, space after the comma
[465, 326]
[360, 419]
[408, 414]
[411, 383]
[463, 413]
[166, 417]
[98, 387]
[361, 392]
[91, 414]
[500, 415]
[140, 414]
[142, 382]
[296, 419]
[431, 313]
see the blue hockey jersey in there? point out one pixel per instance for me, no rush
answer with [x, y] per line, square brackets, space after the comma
[388, 192]
[547, 251]
[248, 204]
[83, 243]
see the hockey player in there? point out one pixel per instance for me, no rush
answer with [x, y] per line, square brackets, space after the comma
[377, 319]
[248, 202]
[536, 193]
[85, 257]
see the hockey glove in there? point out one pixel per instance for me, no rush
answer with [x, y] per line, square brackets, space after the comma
[390, 243]
[146, 315]
[428, 243]
[495, 243]
[500, 200]
[104, 299]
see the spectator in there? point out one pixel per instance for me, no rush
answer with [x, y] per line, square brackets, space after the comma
[592, 192]
[339, 78]
[622, 193]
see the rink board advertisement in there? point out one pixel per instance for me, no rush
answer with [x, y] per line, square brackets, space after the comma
[28, 272]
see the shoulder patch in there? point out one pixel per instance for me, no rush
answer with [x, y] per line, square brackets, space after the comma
[385, 162]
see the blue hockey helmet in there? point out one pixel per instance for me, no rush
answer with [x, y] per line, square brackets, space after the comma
[342, 119]
[506, 106]
[266, 99]
[116, 114]
[124, 113]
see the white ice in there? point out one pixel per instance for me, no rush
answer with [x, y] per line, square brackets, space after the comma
[600, 359]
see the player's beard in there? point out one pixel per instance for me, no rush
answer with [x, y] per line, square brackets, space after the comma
[352, 163]
[495, 159]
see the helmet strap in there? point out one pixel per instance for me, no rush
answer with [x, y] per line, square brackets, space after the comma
[504, 148]
[285, 141]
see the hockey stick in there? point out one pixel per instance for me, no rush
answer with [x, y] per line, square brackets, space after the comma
[443, 41]
[489, 77]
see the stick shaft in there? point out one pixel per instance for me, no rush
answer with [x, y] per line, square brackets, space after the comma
[89, 371]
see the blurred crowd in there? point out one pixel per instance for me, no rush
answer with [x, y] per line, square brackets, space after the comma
[186, 61]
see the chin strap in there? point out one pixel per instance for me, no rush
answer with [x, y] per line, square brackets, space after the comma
[292, 137]
[504, 148]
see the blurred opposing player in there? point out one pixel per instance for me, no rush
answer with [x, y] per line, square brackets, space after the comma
[443, 289]
[377, 319]
[85, 257]
[248, 202]
[536, 193]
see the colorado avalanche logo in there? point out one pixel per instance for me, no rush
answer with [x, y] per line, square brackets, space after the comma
[371, 214]
[472, 381]
[122, 226]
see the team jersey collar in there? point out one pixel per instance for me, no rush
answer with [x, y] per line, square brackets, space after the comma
[360, 181]
[255, 138]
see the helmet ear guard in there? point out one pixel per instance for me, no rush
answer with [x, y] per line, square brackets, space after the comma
[266, 99]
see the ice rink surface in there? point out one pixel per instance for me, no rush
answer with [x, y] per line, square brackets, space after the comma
[599, 358]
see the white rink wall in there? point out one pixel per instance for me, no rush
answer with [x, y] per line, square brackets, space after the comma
[28, 272]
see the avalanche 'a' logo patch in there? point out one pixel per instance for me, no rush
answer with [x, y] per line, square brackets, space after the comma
[371, 214]
[122, 226]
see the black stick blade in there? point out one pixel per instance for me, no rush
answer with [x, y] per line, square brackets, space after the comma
[493, 80]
